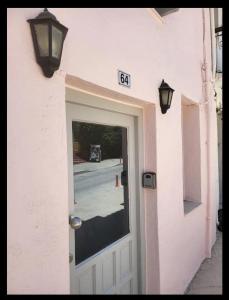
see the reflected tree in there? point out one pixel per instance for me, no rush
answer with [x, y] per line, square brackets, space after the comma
[109, 137]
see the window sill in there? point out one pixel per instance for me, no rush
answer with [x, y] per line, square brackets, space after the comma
[189, 206]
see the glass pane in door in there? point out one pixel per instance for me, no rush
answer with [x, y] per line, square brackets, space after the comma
[100, 167]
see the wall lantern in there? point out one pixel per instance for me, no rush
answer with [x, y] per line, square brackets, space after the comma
[166, 94]
[48, 38]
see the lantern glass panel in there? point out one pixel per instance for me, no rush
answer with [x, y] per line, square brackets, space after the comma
[57, 37]
[170, 97]
[42, 38]
[164, 96]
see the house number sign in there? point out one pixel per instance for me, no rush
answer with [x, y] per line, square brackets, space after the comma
[123, 78]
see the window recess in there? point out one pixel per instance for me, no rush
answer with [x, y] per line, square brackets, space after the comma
[191, 155]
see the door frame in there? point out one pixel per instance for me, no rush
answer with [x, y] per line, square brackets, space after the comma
[84, 98]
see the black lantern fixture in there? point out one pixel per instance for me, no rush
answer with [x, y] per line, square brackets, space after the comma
[48, 37]
[166, 94]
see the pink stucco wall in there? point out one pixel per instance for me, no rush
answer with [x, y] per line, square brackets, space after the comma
[99, 42]
[37, 209]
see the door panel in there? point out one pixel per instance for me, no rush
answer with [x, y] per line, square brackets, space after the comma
[102, 193]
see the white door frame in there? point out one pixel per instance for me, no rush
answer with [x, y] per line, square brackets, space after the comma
[83, 98]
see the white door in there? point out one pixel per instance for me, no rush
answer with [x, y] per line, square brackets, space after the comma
[102, 201]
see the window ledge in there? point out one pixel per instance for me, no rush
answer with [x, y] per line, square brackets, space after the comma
[189, 206]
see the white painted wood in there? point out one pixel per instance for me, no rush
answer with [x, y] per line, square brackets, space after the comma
[76, 96]
[113, 270]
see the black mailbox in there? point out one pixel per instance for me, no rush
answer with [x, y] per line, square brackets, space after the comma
[149, 180]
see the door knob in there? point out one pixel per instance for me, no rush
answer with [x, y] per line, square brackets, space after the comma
[75, 222]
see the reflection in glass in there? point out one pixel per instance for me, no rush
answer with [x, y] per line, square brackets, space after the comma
[56, 42]
[42, 38]
[100, 186]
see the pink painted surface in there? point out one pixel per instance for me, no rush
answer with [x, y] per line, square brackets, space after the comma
[99, 42]
[37, 206]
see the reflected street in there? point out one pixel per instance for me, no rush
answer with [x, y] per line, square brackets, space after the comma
[97, 193]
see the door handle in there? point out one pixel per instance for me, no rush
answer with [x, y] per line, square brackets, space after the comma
[75, 222]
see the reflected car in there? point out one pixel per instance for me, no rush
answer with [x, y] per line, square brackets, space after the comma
[95, 153]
